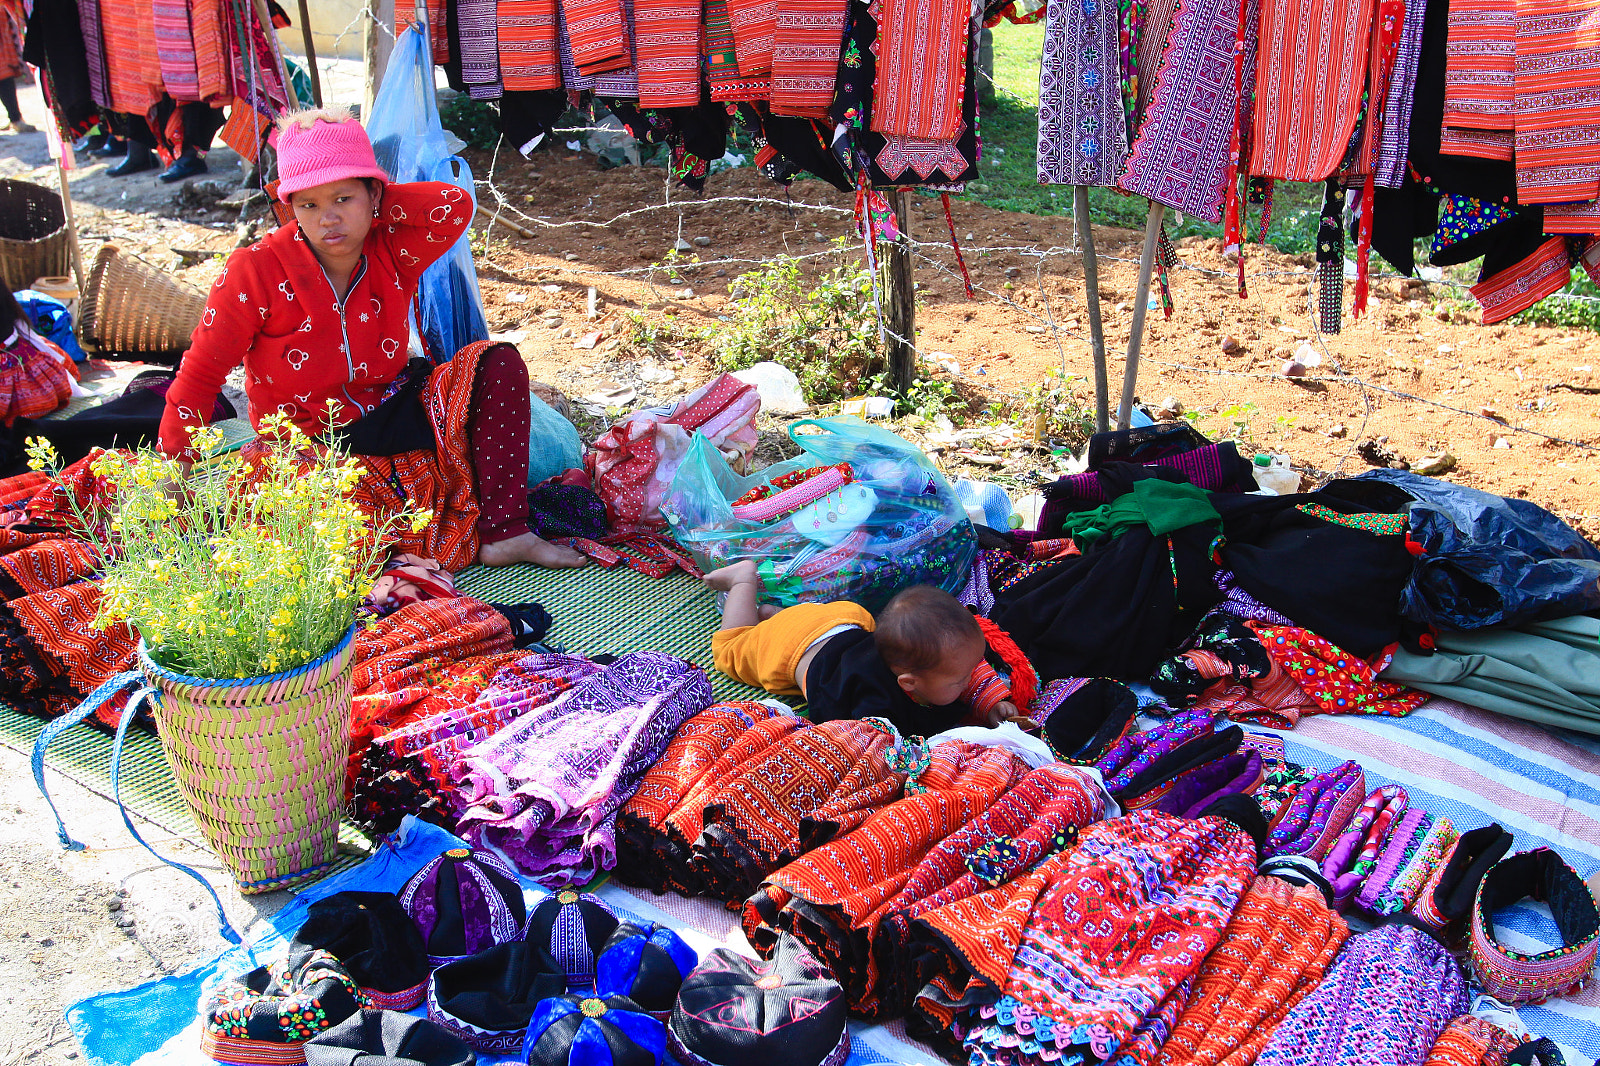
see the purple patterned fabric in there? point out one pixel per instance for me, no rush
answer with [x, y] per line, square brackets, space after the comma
[1395, 144]
[977, 594]
[464, 902]
[1083, 127]
[94, 46]
[1318, 812]
[1139, 751]
[479, 39]
[1211, 467]
[1239, 603]
[546, 789]
[1180, 157]
[1386, 998]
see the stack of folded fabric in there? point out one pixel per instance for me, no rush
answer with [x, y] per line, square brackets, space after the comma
[546, 789]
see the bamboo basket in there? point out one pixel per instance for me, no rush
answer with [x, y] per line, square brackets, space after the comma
[131, 308]
[34, 241]
[261, 763]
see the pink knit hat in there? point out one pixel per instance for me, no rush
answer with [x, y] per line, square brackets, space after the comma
[325, 152]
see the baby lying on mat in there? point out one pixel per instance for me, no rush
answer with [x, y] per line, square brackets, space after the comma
[920, 664]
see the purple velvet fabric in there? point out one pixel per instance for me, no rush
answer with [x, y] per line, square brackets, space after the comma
[1386, 998]
[546, 789]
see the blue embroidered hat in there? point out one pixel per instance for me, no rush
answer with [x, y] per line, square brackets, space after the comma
[572, 926]
[646, 964]
[591, 1031]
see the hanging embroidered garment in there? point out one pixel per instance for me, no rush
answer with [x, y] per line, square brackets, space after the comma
[1155, 31]
[477, 40]
[210, 42]
[1557, 105]
[1083, 133]
[133, 89]
[1579, 218]
[807, 36]
[922, 68]
[94, 47]
[1118, 936]
[722, 63]
[1480, 71]
[1310, 74]
[1525, 282]
[175, 49]
[755, 29]
[1396, 140]
[529, 57]
[1180, 157]
[666, 41]
[598, 32]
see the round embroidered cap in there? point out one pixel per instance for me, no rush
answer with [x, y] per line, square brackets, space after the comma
[1521, 977]
[647, 964]
[487, 998]
[376, 941]
[387, 1038]
[593, 1031]
[463, 902]
[734, 1011]
[572, 926]
[267, 1015]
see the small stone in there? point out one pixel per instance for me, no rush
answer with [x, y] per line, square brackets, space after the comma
[1171, 407]
[1498, 441]
[552, 323]
[1122, 308]
[681, 245]
[1013, 272]
[1490, 412]
[47, 942]
[1434, 465]
[684, 294]
[817, 236]
[1035, 329]
[516, 297]
[571, 257]
[1338, 430]
[551, 289]
[1230, 344]
[1293, 368]
[126, 921]
[702, 242]
[566, 333]
[611, 345]
[720, 274]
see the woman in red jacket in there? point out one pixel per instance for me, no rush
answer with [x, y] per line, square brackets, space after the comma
[317, 314]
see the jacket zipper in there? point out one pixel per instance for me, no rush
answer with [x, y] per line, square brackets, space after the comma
[339, 302]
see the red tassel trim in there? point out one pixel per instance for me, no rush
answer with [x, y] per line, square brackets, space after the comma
[1024, 678]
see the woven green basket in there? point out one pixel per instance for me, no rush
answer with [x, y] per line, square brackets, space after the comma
[260, 762]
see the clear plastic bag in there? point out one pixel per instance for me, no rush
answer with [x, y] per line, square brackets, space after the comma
[897, 523]
[412, 145]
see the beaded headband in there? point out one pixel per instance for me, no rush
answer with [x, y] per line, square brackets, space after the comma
[1516, 977]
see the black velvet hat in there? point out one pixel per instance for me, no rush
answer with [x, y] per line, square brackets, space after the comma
[1082, 717]
[593, 1031]
[734, 1011]
[486, 999]
[387, 1038]
[463, 902]
[572, 926]
[376, 940]
[646, 964]
[267, 1015]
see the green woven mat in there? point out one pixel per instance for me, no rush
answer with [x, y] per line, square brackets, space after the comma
[596, 611]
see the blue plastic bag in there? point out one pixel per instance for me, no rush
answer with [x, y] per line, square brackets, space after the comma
[1488, 560]
[411, 145]
[908, 526]
[53, 321]
[554, 446]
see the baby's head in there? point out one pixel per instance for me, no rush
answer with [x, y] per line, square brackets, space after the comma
[930, 642]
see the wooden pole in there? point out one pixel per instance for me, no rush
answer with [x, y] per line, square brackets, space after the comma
[311, 53]
[1141, 300]
[1091, 287]
[377, 43]
[264, 16]
[72, 224]
[900, 304]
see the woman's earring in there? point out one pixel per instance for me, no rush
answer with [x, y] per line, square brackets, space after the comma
[375, 209]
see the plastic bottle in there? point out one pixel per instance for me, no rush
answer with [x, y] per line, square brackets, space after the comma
[1274, 475]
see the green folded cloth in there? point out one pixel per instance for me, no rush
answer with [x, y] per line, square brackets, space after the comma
[1163, 506]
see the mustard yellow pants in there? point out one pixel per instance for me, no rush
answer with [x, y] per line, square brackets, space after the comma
[767, 653]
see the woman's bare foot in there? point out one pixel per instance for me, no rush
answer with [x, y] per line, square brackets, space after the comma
[742, 572]
[527, 548]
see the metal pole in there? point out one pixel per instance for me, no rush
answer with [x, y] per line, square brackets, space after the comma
[311, 53]
[1091, 286]
[1147, 262]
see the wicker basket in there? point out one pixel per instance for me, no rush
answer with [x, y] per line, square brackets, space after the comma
[131, 308]
[261, 763]
[34, 241]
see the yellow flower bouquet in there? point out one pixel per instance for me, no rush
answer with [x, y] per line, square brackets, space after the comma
[251, 566]
[243, 579]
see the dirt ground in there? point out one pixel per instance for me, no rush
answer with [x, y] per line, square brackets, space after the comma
[1515, 405]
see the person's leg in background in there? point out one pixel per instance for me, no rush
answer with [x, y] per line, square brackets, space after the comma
[140, 142]
[200, 125]
[8, 99]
